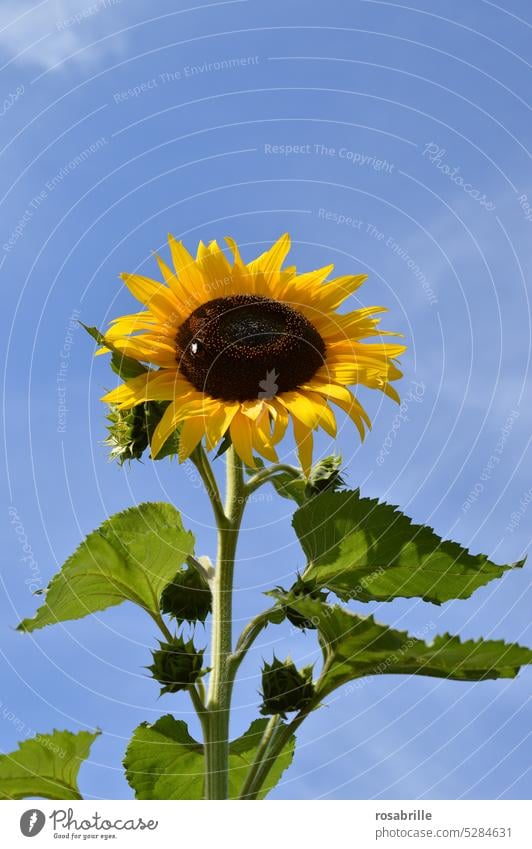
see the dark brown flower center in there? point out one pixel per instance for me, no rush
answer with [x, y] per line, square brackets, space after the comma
[245, 347]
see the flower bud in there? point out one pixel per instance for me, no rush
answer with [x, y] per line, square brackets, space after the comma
[176, 665]
[130, 432]
[325, 475]
[300, 590]
[285, 688]
[188, 598]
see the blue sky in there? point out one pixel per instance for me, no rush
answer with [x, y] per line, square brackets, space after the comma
[410, 125]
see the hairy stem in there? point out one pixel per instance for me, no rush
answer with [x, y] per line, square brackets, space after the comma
[201, 461]
[161, 624]
[248, 637]
[272, 752]
[221, 679]
[199, 707]
[284, 733]
[260, 755]
[266, 475]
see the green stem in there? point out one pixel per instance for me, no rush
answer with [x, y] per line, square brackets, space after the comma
[273, 751]
[260, 755]
[280, 740]
[265, 475]
[199, 707]
[201, 461]
[248, 637]
[221, 679]
[161, 624]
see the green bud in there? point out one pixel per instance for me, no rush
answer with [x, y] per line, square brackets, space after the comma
[188, 598]
[285, 688]
[130, 432]
[325, 475]
[176, 665]
[300, 590]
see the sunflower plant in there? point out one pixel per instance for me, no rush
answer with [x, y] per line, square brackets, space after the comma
[223, 356]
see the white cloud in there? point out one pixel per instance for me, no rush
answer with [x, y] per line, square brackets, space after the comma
[44, 34]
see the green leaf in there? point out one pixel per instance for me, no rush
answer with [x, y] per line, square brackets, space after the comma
[164, 762]
[125, 367]
[46, 766]
[356, 646]
[131, 557]
[362, 549]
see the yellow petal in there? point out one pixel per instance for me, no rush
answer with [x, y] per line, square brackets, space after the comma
[243, 279]
[269, 263]
[356, 413]
[190, 435]
[152, 386]
[215, 270]
[217, 423]
[334, 293]
[188, 273]
[327, 419]
[145, 349]
[354, 325]
[253, 409]
[302, 287]
[192, 405]
[364, 350]
[241, 436]
[302, 407]
[166, 426]
[158, 298]
[280, 421]
[262, 442]
[328, 390]
[176, 286]
[304, 442]
[127, 324]
[238, 262]
[391, 393]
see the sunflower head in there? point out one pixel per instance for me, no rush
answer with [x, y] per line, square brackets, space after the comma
[239, 350]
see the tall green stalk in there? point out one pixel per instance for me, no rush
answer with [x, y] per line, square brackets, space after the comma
[214, 713]
[221, 677]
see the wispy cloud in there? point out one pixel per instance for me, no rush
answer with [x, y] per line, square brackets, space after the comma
[45, 34]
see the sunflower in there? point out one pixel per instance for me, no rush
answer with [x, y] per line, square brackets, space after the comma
[240, 349]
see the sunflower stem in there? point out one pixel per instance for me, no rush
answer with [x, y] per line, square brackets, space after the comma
[221, 678]
[266, 475]
[199, 707]
[260, 755]
[201, 462]
[269, 756]
[161, 624]
[278, 737]
[248, 637]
